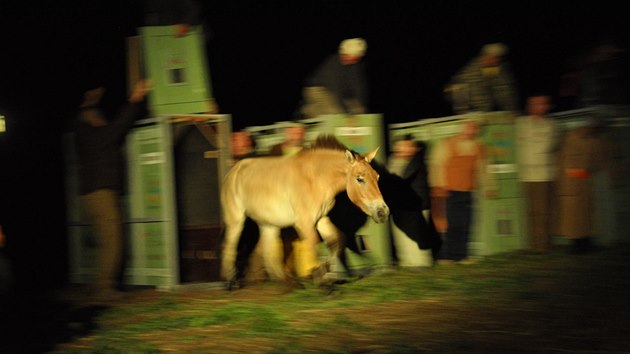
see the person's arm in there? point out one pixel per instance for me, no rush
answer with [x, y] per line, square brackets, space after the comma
[190, 16]
[438, 156]
[124, 120]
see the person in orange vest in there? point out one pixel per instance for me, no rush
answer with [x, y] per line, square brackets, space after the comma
[461, 161]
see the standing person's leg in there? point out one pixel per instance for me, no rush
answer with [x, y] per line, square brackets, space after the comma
[465, 206]
[453, 236]
[546, 208]
[457, 211]
[538, 199]
[104, 210]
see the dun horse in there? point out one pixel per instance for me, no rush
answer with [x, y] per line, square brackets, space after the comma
[298, 191]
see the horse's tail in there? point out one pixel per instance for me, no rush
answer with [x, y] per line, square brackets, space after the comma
[230, 195]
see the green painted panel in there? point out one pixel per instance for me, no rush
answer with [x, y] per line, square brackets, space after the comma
[178, 69]
[155, 243]
[151, 263]
[151, 190]
[500, 227]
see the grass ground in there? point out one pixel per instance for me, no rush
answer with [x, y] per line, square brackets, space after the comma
[515, 302]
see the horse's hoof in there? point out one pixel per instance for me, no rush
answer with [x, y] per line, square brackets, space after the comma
[318, 273]
[328, 288]
[290, 286]
[234, 284]
[294, 283]
[299, 285]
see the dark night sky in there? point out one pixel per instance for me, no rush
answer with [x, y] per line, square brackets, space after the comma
[259, 53]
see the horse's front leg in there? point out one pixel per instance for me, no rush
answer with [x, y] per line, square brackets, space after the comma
[310, 238]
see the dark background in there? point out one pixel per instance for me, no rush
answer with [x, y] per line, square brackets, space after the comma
[259, 52]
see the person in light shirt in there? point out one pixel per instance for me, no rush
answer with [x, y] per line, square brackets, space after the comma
[536, 146]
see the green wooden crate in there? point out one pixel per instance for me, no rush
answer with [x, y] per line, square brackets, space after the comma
[178, 69]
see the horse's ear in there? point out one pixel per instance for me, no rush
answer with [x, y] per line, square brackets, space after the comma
[370, 156]
[350, 156]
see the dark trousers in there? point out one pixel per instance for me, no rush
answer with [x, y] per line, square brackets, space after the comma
[538, 198]
[103, 210]
[458, 216]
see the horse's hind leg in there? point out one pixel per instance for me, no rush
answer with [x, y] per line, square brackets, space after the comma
[272, 251]
[228, 254]
[334, 240]
[274, 256]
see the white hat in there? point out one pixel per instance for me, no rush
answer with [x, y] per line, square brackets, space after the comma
[496, 49]
[354, 46]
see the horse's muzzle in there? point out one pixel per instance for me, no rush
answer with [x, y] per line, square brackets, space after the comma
[381, 214]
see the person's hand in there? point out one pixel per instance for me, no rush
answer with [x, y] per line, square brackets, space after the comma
[1, 237]
[212, 107]
[439, 192]
[140, 90]
[491, 193]
[92, 97]
[181, 29]
[577, 173]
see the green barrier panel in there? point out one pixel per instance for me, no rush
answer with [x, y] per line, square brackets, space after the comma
[153, 236]
[501, 223]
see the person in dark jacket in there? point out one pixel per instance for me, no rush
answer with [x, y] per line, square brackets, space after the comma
[408, 162]
[485, 84]
[339, 84]
[98, 143]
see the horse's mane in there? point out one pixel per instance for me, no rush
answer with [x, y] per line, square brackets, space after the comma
[328, 141]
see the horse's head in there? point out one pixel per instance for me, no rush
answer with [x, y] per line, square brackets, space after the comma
[362, 186]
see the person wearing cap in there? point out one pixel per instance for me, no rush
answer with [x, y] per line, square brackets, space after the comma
[338, 85]
[484, 84]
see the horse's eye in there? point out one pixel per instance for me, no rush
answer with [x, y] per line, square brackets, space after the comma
[361, 180]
